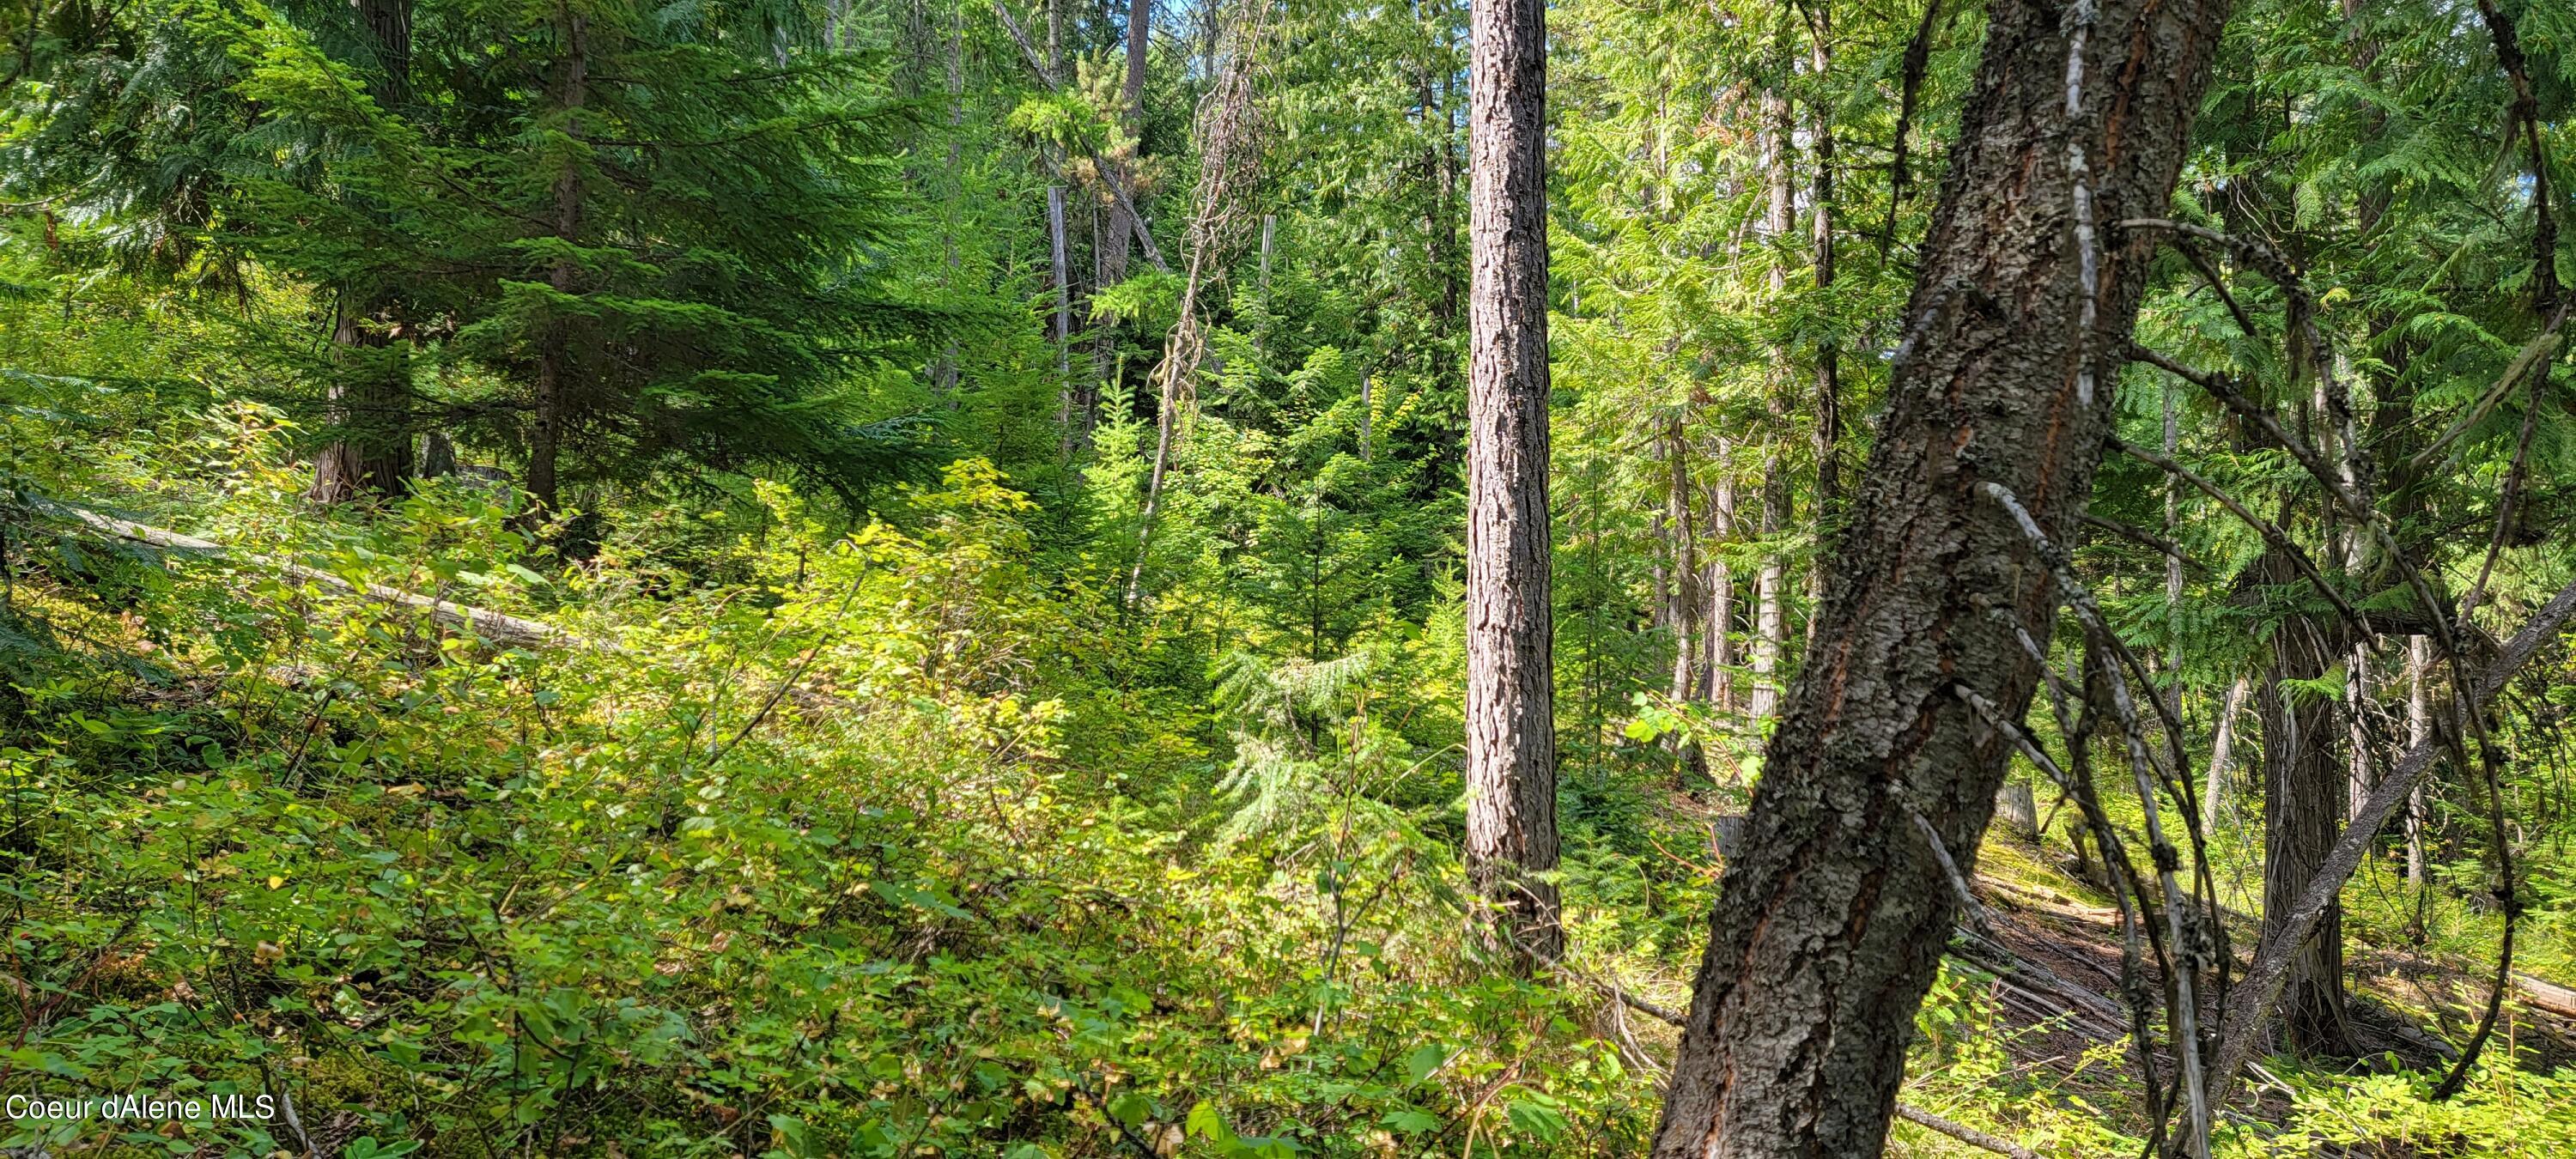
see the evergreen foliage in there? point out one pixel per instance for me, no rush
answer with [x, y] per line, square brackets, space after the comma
[850, 804]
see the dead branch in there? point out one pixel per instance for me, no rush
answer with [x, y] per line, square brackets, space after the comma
[1964, 1133]
[512, 631]
[2143, 538]
[1117, 182]
[2255, 999]
[2533, 353]
[2272, 534]
[2181, 961]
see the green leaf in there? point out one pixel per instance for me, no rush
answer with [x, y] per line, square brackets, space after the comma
[1410, 1122]
[1424, 1060]
[1204, 1122]
[1535, 1115]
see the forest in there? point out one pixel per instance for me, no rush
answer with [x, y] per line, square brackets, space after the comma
[1239, 579]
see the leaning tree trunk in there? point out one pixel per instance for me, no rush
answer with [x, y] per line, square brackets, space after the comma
[1511, 740]
[1829, 925]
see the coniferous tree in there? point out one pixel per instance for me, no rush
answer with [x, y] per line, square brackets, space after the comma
[664, 241]
[1835, 914]
[1511, 737]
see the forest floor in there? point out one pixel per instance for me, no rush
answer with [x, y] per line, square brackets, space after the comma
[2057, 983]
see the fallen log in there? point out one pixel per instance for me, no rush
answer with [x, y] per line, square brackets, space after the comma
[513, 631]
[2548, 997]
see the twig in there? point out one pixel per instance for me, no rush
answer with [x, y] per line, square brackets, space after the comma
[2513, 478]
[2209, 272]
[1968, 904]
[2143, 538]
[2533, 353]
[2272, 535]
[1964, 1133]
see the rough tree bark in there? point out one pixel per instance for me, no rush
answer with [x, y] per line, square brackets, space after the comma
[1827, 929]
[1827, 436]
[2305, 803]
[1131, 109]
[1511, 741]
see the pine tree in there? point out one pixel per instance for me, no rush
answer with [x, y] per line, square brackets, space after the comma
[656, 242]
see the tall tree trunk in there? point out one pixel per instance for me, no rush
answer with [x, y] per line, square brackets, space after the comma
[1828, 432]
[1770, 582]
[2222, 753]
[370, 386]
[943, 374]
[1075, 419]
[1055, 37]
[1828, 927]
[1688, 758]
[1721, 584]
[1447, 232]
[2419, 729]
[2305, 805]
[553, 356]
[1131, 109]
[1511, 739]
[1683, 551]
[1115, 230]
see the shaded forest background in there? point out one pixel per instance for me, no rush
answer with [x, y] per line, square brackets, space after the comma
[959, 517]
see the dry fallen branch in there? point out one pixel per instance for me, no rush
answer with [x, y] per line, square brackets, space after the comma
[512, 631]
[1964, 1133]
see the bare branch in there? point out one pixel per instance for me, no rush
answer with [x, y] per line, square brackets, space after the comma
[2505, 504]
[2209, 272]
[1968, 903]
[2256, 997]
[2143, 538]
[2183, 1010]
[2271, 533]
[2533, 353]
[1963, 1133]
